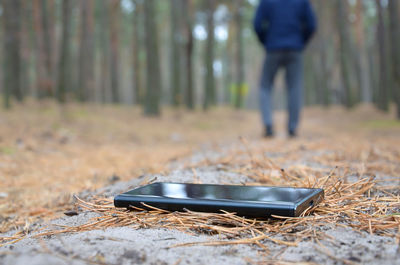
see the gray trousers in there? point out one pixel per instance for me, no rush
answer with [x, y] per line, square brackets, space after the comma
[292, 62]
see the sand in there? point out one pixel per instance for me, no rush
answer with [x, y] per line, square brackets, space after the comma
[124, 245]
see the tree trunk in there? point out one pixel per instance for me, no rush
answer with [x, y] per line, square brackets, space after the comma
[228, 69]
[136, 51]
[345, 52]
[44, 81]
[175, 84]
[309, 78]
[153, 74]
[373, 60]
[239, 55]
[53, 52]
[11, 52]
[115, 67]
[189, 45]
[86, 57]
[322, 43]
[25, 47]
[104, 37]
[64, 67]
[48, 34]
[395, 48]
[363, 64]
[209, 98]
[383, 97]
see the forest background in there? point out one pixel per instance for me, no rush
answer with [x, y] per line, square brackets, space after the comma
[154, 53]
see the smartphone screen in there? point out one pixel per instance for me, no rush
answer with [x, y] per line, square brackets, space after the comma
[223, 192]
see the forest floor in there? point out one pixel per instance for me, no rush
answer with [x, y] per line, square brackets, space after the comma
[48, 153]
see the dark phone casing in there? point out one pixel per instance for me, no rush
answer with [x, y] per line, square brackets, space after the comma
[252, 201]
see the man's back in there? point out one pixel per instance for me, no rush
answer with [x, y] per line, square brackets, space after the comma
[284, 24]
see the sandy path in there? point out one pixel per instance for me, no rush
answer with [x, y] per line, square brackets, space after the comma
[125, 245]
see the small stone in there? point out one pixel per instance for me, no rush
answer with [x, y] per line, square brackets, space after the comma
[71, 213]
[114, 178]
[134, 256]
[355, 259]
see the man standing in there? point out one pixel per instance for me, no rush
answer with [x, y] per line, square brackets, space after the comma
[284, 27]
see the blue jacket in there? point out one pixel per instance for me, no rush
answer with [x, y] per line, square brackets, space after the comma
[284, 24]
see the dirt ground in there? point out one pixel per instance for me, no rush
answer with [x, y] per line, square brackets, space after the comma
[48, 154]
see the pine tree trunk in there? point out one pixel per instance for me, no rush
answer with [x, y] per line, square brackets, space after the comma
[322, 40]
[53, 52]
[104, 36]
[26, 83]
[189, 45]
[228, 69]
[44, 81]
[64, 66]
[345, 52]
[175, 58]
[239, 55]
[394, 10]
[153, 74]
[373, 60]
[86, 57]
[12, 52]
[310, 85]
[209, 97]
[363, 64]
[115, 67]
[136, 51]
[383, 97]
[48, 39]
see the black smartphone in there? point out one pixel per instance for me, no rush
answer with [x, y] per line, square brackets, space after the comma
[252, 201]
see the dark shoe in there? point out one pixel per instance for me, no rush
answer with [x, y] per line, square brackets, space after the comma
[292, 134]
[269, 131]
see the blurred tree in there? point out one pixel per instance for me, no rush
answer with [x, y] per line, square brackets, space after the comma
[345, 51]
[187, 9]
[115, 14]
[86, 56]
[240, 83]
[373, 57]
[383, 96]
[153, 74]
[322, 38]
[48, 21]
[227, 64]
[310, 79]
[103, 18]
[11, 51]
[48, 25]
[136, 51]
[175, 58]
[394, 12]
[64, 67]
[209, 96]
[26, 49]
[43, 68]
[361, 52]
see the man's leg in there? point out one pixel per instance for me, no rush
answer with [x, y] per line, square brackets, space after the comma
[294, 82]
[271, 66]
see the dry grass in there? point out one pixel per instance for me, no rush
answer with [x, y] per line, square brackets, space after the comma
[361, 205]
[48, 154]
[357, 165]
